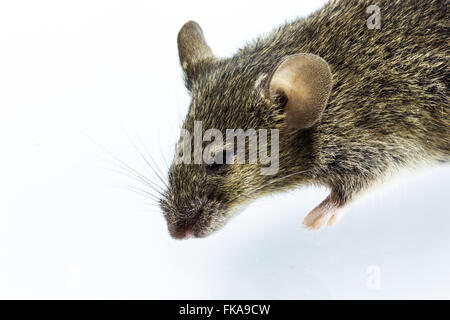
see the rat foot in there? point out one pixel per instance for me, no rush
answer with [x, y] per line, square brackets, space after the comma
[327, 213]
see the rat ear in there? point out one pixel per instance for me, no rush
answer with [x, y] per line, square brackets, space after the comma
[303, 82]
[192, 47]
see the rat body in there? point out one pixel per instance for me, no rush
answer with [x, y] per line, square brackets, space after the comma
[352, 105]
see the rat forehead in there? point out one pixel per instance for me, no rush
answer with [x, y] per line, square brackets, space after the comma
[227, 98]
[226, 90]
[231, 73]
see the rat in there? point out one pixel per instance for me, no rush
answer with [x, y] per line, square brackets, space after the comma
[352, 105]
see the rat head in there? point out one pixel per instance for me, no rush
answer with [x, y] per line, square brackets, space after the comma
[238, 139]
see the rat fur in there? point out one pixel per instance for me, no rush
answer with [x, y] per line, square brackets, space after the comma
[388, 108]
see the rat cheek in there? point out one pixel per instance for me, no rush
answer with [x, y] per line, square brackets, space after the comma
[214, 190]
[237, 209]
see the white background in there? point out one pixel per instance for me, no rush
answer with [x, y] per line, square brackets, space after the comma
[75, 72]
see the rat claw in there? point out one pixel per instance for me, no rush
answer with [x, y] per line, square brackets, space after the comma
[336, 217]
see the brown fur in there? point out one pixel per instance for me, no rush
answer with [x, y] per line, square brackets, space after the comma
[389, 108]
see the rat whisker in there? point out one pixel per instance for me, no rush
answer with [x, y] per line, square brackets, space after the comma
[129, 169]
[158, 171]
[125, 165]
[143, 193]
[163, 157]
[166, 163]
[146, 161]
[134, 173]
[144, 179]
[139, 179]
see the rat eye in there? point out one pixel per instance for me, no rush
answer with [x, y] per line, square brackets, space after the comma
[219, 161]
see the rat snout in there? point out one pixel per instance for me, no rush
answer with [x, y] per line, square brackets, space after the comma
[197, 219]
[182, 233]
[186, 223]
[183, 229]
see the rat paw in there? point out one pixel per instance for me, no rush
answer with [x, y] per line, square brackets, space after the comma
[325, 214]
[317, 220]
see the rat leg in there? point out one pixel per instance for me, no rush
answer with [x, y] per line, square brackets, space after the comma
[328, 212]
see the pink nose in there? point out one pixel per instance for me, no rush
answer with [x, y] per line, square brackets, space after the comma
[182, 233]
[188, 234]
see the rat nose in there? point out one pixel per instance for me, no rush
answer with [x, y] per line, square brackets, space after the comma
[182, 233]
[188, 234]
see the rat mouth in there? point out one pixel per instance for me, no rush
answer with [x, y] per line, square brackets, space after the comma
[186, 230]
[208, 219]
[203, 226]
